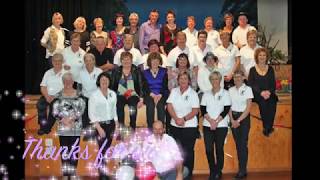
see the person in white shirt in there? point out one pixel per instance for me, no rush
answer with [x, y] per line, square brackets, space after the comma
[53, 39]
[128, 47]
[154, 46]
[239, 35]
[73, 57]
[103, 112]
[201, 49]
[212, 64]
[180, 48]
[247, 52]
[183, 106]
[88, 75]
[50, 86]
[241, 97]
[215, 105]
[213, 38]
[164, 153]
[191, 32]
[229, 56]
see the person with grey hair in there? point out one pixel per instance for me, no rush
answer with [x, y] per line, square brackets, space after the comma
[68, 108]
[50, 85]
[215, 105]
[133, 29]
[128, 47]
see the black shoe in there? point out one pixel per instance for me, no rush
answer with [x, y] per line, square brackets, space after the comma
[240, 175]
[271, 130]
[218, 176]
[265, 132]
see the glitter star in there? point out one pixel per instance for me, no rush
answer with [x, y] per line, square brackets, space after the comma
[10, 139]
[16, 114]
[19, 93]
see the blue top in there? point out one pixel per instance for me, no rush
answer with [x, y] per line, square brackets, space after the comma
[157, 85]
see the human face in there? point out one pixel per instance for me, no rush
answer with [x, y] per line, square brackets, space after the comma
[181, 41]
[158, 129]
[191, 24]
[119, 21]
[238, 80]
[57, 20]
[262, 58]
[252, 39]
[215, 81]
[210, 61]
[242, 20]
[57, 64]
[100, 44]
[89, 63]
[225, 38]
[155, 63]
[128, 41]
[228, 21]
[80, 24]
[154, 16]
[183, 62]
[126, 62]
[104, 83]
[99, 26]
[170, 18]
[75, 43]
[133, 21]
[154, 48]
[202, 38]
[183, 81]
[68, 83]
[208, 24]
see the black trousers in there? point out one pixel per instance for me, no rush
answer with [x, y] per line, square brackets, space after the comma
[68, 141]
[42, 106]
[168, 121]
[85, 116]
[267, 111]
[214, 139]
[186, 137]
[132, 103]
[150, 105]
[240, 136]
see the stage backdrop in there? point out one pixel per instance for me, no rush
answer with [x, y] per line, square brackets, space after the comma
[38, 15]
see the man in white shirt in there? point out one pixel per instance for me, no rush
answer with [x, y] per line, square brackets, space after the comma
[191, 32]
[164, 153]
[128, 46]
[239, 35]
[50, 85]
[73, 56]
[201, 49]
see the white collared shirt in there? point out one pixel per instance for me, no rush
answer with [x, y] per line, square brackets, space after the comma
[53, 81]
[239, 97]
[164, 153]
[215, 105]
[88, 81]
[145, 58]
[227, 56]
[192, 37]
[102, 108]
[136, 57]
[183, 104]
[60, 42]
[198, 54]
[247, 57]
[213, 38]
[240, 34]
[203, 78]
[74, 60]
[175, 52]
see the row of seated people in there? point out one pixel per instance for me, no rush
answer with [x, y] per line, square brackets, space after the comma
[106, 93]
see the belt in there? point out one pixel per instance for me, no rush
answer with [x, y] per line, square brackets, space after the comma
[106, 122]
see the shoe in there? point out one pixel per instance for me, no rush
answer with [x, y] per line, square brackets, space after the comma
[265, 132]
[240, 175]
[218, 176]
[271, 130]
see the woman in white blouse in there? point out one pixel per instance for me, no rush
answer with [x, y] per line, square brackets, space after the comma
[241, 97]
[103, 112]
[215, 105]
[183, 106]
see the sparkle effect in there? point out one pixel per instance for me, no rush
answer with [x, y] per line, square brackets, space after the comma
[16, 114]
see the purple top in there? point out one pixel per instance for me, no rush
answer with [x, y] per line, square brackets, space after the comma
[146, 33]
[158, 84]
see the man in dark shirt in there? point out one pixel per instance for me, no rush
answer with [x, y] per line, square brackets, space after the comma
[104, 55]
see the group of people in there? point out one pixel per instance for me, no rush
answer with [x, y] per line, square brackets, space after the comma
[181, 75]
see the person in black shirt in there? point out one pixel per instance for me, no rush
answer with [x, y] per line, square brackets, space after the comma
[103, 55]
[262, 80]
